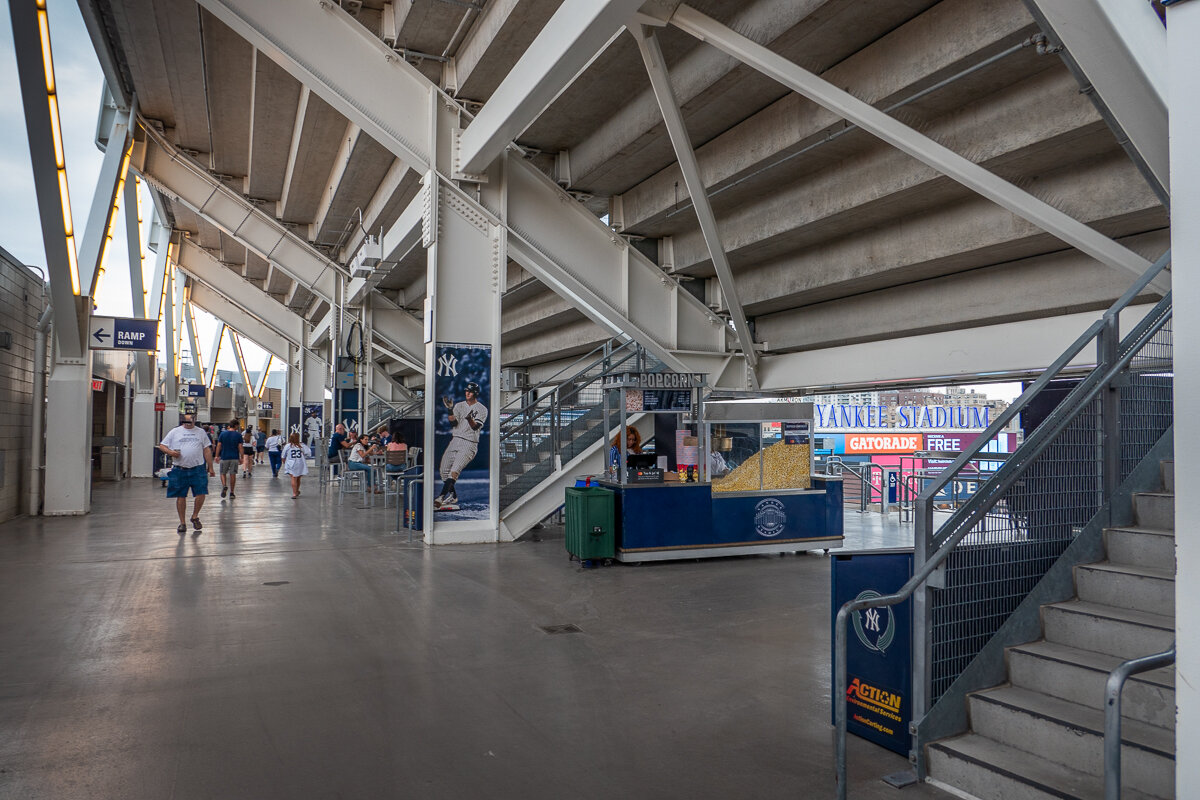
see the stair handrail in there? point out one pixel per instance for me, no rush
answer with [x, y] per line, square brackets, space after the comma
[605, 350]
[977, 506]
[1112, 713]
[554, 399]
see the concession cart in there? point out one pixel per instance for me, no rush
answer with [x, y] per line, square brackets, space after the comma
[724, 477]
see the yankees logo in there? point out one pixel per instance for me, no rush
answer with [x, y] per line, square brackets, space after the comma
[447, 365]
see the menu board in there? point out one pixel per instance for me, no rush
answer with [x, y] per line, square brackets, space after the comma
[795, 433]
[666, 400]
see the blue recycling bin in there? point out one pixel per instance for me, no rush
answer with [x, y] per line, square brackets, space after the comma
[878, 646]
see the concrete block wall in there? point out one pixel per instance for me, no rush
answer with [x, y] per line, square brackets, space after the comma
[21, 304]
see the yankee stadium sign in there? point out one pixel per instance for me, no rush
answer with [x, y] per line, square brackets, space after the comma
[833, 416]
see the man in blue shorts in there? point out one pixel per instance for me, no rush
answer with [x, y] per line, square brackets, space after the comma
[192, 450]
[230, 452]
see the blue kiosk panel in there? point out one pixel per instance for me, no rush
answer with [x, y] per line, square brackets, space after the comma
[663, 516]
[756, 517]
[878, 646]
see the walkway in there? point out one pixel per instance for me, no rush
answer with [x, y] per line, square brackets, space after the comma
[298, 649]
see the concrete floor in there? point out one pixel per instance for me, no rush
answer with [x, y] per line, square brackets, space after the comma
[299, 650]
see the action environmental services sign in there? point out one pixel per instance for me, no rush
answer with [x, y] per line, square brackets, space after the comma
[122, 333]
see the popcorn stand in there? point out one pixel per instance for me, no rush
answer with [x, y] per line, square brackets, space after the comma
[730, 478]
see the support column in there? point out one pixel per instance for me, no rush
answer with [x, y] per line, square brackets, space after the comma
[466, 254]
[1183, 30]
[290, 415]
[144, 424]
[69, 435]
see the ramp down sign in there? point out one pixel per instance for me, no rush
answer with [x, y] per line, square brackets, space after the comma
[122, 333]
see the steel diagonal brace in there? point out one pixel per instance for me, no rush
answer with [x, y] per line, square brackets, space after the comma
[661, 82]
[920, 147]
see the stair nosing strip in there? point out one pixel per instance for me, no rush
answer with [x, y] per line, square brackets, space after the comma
[1068, 607]
[1024, 779]
[1098, 670]
[983, 696]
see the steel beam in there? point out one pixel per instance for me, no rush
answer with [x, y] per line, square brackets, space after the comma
[178, 176]
[202, 267]
[1121, 50]
[575, 253]
[660, 82]
[918, 146]
[394, 102]
[1015, 349]
[218, 339]
[35, 72]
[189, 320]
[105, 200]
[241, 365]
[237, 319]
[571, 39]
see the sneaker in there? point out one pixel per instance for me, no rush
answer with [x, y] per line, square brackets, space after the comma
[224, 491]
[181, 529]
[196, 523]
[232, 495]
[451, 500]
[441, 498]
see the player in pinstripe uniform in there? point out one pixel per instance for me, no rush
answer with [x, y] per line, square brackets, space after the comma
[468, 417]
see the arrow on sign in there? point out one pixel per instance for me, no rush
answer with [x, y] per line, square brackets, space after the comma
[101, 335]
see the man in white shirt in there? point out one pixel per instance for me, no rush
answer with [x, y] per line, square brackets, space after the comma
[191, 449]
[274, 445]
[468, 417]
[313, 426]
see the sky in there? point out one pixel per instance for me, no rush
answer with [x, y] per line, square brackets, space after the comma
[80, 84]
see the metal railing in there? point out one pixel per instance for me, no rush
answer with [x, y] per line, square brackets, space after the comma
[1112, 713]
[866, 488]
[563, 418]
[996, 547]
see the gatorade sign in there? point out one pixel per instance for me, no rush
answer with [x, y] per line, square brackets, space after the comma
[883, 442]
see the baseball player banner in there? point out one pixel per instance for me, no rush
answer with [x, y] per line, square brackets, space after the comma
[461, 438]
[314, 423]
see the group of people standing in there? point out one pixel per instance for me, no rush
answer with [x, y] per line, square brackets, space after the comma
[192, 449]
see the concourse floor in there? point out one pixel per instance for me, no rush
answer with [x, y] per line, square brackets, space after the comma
[299, 649]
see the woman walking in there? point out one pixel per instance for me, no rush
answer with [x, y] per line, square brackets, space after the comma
[248, 452]
[295, 462]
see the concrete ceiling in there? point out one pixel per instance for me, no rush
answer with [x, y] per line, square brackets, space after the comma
[828, 230]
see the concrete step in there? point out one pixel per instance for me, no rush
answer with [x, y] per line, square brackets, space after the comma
[1079, 677]
[1126, 585]
[1107, 629]
[1154, 510]
[988, 770]
[1166, 469]
[1144, 547]
[1074, 736]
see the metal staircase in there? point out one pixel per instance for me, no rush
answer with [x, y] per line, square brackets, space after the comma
[1009, 568]
[559, 419]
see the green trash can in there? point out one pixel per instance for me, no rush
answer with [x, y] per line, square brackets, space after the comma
[591, 523]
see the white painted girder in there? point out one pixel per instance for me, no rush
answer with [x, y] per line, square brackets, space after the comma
[401, 330]
[239, 320]
[360, 76]
[1122, 49]
[105, 199]
[176, 175]
[565, 245]
[203, 267]
[933, 359]
[577, 31]
[921, 147]
[660, 81]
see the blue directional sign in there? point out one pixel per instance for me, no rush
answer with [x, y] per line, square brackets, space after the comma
[196, 390]
[122, 333]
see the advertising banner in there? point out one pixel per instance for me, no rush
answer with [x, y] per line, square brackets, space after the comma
[314, 422]
[878, 647]
[883, 442]
[461, 439]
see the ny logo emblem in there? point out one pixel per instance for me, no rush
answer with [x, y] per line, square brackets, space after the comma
[872, 620]
[447, 365]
